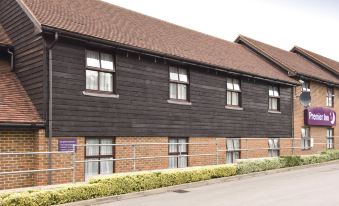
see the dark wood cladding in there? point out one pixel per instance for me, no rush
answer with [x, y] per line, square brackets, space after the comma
[28, 50]
[142, 108]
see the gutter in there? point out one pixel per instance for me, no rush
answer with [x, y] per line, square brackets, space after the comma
[128, 48]
[25, 125]
[50, 102]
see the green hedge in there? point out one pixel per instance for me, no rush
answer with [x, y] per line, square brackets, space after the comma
[258, 165]
[116, 185]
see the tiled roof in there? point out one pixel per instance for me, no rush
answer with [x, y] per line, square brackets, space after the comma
[294, 62]
[4, 39]
[109, 22]
[15, 105]
[326, 62]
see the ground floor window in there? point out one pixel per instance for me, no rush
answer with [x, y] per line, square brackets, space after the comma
[99, 149]
[233, 150]
[177, 147]
[305, 138]
[330, 138]
[273, 147]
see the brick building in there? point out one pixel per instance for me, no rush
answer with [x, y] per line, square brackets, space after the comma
[318, 76]
[138, 83]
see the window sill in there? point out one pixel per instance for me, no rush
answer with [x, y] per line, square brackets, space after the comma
[307, 148]
[234, 108]
[274, 112]
[94, 94]
[171, 101]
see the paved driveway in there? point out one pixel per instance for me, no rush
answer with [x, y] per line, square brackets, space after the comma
[312, 186]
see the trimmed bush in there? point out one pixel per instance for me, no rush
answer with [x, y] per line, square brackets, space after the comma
[258, 165]
[291, 161]
[116, 185]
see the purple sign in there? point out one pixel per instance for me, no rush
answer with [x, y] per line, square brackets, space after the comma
[66, 145]
[320, 116]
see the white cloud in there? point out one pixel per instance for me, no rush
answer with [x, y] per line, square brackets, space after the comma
[281, 23]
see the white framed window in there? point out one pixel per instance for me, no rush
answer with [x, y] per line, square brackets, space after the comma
[330, 97]
[305, 138]
[274, 98]
[330, 138]
[179, 83]
[233, 97]
[94, 151]
[274, 147]
[176, 148]
[232, 150]
[100, 71]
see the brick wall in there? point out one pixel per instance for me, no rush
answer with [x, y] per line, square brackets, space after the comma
[318, 133]
[29, 140]
[140, 151]
[35, 140]
[16, 141]
[58, 161]
[198, 147]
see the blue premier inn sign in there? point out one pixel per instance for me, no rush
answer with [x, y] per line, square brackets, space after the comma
[66, 144]
[320, 116]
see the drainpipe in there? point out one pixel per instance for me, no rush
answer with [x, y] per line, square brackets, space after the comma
[50, 103]
[12, 59]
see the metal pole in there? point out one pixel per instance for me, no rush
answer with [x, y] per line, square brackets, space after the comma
[134, 157]
[74, 164]
[293, 146]
[217, 148]
[246, 149]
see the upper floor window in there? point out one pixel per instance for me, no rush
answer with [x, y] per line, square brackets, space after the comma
[330, 97]
[305, 86]
[274, 98]
[233, 92]
[100, 71]
[179, 83]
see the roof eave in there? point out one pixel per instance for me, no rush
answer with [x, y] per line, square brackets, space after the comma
[249, 44]
[22, 124]
[31, 16]
[49, 29]
[301, 52]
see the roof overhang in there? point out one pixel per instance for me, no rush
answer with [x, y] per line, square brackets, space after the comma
[22, 125]
[305, 54]
[128, 48]
[243, 40]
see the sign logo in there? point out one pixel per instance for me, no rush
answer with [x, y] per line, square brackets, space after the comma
[320, 116]
[66, 144]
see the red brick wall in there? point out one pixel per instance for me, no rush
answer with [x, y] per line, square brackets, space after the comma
[16, 141]
[28, 140]
[198, 147]
[140, 151]
[318, 133]
[58, 161]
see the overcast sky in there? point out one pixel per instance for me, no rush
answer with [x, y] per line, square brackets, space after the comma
[312, 24]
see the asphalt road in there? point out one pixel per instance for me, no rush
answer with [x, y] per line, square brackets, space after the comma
[312, 186]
